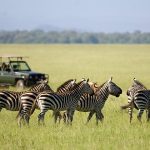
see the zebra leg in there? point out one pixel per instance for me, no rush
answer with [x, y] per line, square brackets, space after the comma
[70, 113]
[19, 119]
[148, 114]
[26, 118]
[140, 114]
[148, 111]
[99, 116]
[57, 115]
[41, 118]
[90, 116]
[130, 111]
[65, 117]
[71, 116]
[26, 115]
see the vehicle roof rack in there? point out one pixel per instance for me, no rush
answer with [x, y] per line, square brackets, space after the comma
[10, 56]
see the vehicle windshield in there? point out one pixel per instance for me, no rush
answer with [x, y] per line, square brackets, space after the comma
[19, 66]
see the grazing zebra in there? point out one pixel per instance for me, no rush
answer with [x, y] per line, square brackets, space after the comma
[61, 102]
[10, 100]
[95, 103]
[27, 101]
[136, 86]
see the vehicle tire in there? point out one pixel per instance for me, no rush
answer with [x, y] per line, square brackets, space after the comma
[20, 84]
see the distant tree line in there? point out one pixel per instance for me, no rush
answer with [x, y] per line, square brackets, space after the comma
[39, 36]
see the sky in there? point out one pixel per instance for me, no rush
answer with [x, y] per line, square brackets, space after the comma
[80, 15]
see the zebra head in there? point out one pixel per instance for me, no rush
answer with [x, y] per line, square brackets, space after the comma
[113, 89]
[41, 86]
[136, 85]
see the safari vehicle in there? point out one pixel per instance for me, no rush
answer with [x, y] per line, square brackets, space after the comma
[15, 71]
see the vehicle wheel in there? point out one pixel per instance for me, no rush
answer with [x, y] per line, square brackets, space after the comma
[20, 84]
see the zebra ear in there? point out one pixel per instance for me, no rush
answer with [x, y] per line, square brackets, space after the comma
[46, 81]
[74, 81]
[110, 79]
[83, 79]
[88, 80]
[134, 79]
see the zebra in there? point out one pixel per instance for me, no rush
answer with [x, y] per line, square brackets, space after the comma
[136, 86]
[27, 101]
[62, 89]
[93, 85]
[61, 102]
[10, 100]
[96, 102]
[142, 101]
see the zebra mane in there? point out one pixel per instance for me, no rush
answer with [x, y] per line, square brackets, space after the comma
[64, 84]
[139, 83]
[76, 85]
[96, 92]
[35, 85]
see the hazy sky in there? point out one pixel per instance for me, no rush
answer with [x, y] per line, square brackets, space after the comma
[85, 15]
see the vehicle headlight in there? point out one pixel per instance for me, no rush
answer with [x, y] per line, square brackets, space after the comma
[24, 76]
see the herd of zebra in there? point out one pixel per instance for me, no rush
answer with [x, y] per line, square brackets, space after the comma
[83, 96]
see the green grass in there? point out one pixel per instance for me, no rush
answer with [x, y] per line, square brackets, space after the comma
[97, 62]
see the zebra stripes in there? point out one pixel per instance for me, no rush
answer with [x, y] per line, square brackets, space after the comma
[10, 100]
[142, 101]
[135, 87]
[64, 88]
[28, 99]
[72, 96]
[96, 102]
[59, 102]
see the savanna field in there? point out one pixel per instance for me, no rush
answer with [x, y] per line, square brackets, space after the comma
[98, 63]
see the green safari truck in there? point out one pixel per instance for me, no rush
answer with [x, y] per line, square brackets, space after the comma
[15, 71]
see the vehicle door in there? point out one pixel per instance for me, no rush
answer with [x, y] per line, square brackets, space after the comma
[7, 75]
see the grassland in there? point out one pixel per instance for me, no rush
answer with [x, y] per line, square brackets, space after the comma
[97, 62]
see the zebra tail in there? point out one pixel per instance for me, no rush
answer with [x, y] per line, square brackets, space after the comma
[128, 105]
[125, 106]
